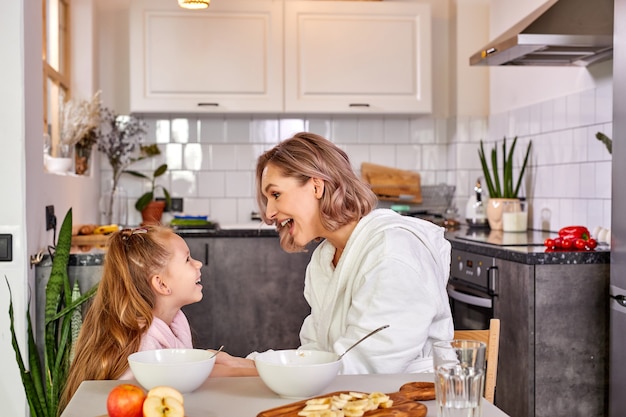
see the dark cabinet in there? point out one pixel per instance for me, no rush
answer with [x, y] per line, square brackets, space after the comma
[253, 294]
[553, 340]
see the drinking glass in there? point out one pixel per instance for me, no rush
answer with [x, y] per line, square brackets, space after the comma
[459, 377]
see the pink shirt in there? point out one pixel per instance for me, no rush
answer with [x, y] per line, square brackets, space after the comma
[162, 336]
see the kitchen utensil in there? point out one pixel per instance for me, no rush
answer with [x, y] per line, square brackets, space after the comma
[373, 332]
[216, 352]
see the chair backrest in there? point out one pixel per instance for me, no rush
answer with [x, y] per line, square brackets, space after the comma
[491, 337]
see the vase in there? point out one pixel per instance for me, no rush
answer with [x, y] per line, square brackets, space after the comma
[82, 154]
[495, 209]
[114, 206]
[152, 213]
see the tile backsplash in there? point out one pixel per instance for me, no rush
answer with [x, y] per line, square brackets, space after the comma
[212, 158]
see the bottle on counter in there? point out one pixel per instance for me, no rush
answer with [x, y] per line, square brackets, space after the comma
[475, 209]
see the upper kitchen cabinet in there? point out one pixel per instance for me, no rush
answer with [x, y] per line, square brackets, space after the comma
[357, 57]
[225, 59]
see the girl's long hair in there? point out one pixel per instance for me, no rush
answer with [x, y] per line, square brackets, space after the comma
[121, 311]
[306, 155]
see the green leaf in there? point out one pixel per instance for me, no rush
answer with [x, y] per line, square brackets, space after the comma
[143, 201]
[523, 169]
[36, 402]
[137, 174]
[160, 170]
[494, 164]
[487, 174]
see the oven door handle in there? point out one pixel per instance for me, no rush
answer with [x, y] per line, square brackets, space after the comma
[469, 299]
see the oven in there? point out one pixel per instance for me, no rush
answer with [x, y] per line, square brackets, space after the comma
[472, 290]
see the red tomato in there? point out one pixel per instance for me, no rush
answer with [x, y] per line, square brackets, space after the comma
[558, 242]
[580, 243]
[592, 243]
[549, 242]
[567, 244]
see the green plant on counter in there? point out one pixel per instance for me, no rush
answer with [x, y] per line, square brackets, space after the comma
[502, 188]
[149, 196]
[44, 381]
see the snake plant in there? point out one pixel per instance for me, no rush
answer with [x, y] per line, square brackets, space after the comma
[504, 188]
[44, 380]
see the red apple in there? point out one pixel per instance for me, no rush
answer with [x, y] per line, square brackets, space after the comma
[126, 400]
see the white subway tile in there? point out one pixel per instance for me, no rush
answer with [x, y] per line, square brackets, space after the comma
[238, 129]
[357, 155]
[212, 130]
[383, 155]
[320, 126]
[344, 130]
[192, 156]
[211, 184]
[604, 103]
[422, 130]
[222, 157]
[162, 131]
[184, 184]
[224, 210]
[196, 206]
[239, 184]
[396, 130]
[264, 131]
[181, 130]
[603, 180]
[290, 126]
[173, 156]
[370, 130]
[408, 157]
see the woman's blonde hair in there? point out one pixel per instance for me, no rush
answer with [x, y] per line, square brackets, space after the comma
[121, 311]
[306, 155]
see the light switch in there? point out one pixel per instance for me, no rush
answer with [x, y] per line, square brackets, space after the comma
[6, 248]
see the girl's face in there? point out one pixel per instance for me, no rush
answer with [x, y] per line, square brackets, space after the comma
[182, 273]
[293, 206]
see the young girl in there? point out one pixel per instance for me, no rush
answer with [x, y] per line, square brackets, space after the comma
[148, 276]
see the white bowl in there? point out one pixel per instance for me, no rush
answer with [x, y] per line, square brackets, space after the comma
[297, 373]
[183, 369]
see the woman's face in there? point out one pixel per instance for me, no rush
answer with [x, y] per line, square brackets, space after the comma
[293, 206]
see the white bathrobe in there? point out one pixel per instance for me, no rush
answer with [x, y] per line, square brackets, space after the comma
[393, 270]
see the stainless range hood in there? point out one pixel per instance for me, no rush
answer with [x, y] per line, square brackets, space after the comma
[560, 33]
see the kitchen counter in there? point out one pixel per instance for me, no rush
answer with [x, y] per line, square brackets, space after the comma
[526, 248]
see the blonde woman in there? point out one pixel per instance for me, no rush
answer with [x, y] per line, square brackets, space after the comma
[373, 266]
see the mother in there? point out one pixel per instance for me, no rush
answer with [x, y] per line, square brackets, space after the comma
[373, 267]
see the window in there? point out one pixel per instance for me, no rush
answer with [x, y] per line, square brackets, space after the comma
[56, 67]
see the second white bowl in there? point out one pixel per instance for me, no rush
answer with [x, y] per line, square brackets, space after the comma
[297, 373]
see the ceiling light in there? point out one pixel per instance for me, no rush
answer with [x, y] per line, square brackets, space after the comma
[194, 4]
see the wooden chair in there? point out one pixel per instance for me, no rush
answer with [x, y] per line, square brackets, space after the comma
[491, 337]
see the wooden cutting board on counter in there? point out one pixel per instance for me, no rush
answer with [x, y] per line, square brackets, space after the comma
[393, 184]
[404, 404]
[89, 240]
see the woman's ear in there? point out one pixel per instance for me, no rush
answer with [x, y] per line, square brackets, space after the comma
[160, 286]
[318, 187]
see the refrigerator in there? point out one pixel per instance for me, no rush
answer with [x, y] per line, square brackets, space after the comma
[617, 288]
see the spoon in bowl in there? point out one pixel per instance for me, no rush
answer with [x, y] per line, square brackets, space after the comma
[373, 332]
[216, 352]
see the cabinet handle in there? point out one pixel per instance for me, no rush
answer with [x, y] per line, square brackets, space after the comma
[208, 104]
[358, 105]
[206, 254]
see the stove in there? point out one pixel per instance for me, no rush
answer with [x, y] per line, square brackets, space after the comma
[500, 238]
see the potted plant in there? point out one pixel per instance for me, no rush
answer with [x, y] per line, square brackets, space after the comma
[151, 209]
[43, 380]
[500, 182]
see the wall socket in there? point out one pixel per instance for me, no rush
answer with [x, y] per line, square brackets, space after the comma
[51, 219]
[176, 205]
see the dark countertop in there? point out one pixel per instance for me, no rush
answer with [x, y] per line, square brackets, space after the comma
[480, 241]
[526, 248]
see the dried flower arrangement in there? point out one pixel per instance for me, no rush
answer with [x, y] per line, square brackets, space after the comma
[79, 123]
[121, 138]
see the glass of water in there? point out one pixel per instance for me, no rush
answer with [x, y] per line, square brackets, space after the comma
[459, 377]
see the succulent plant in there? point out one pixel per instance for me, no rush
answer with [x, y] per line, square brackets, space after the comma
[504, 188]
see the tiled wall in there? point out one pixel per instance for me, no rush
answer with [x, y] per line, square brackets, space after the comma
[212, 158]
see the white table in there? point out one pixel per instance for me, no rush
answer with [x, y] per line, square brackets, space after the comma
[247, 396]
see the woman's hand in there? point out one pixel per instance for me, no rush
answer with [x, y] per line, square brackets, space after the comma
[228, 365]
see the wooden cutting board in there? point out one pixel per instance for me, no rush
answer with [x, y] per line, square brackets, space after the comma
[393, 184]
[402, 406]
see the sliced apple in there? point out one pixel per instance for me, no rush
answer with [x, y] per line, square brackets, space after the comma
[165, 391]
[163, 407]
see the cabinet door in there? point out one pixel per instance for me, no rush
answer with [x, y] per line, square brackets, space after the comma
[253, 295]
[357, 57]
[227, 58]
